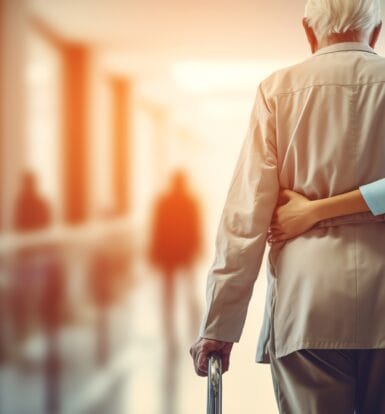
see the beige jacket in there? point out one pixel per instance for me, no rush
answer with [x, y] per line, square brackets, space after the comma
[318, 128]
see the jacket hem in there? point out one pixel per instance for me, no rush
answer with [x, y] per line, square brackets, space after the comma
[316, 344]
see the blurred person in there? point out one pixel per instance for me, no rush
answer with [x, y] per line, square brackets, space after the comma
[175, 245]
[316, 128]
[32, 211]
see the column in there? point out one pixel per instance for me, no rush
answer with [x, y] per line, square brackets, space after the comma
[75, 131]
[121, 141]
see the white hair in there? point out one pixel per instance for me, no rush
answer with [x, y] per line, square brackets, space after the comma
[338, 16]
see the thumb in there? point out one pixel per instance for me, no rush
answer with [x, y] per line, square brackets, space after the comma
[283, 197]
[289, 195]
[225, 354]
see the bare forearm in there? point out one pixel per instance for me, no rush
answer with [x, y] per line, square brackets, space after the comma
[340, 205]
[297, 214]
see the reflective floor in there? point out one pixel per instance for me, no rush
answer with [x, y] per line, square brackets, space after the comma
[136, 374]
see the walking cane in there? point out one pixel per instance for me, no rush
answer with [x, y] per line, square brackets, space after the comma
[214, 384]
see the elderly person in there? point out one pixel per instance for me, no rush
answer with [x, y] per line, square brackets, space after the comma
[316, 128]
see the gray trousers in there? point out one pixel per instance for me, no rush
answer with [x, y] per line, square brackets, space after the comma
[330, 381]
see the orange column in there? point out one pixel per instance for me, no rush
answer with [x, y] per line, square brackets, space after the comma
[75, 118]
[121, 110]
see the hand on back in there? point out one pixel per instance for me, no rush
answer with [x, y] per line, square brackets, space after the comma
[293, 216]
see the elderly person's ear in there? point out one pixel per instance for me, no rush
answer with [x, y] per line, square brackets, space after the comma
[375, 34]
[311, 37]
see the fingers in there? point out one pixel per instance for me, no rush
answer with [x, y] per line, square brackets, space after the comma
[201, 350]
[275, 235]
[199, 353]
[275, 239]
[201, 364]
[279, 238]
[226, 359]
[275, 226]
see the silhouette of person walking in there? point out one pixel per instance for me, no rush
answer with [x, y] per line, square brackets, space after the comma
[32, 211]
[37, 296]
[175, 245]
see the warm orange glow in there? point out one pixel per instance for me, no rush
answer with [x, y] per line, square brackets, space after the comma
[205, 76]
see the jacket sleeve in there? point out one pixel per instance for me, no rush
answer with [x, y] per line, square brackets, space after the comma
[241, 236]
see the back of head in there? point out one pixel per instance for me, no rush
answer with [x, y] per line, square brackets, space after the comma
[339, 16]
[179, 181]
[29, 183]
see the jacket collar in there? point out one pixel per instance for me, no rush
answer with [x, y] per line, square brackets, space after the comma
[345, 46]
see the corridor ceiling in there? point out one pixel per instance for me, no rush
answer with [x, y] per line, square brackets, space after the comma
[197, 29]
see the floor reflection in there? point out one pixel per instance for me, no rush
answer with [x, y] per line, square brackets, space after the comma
[133, 370]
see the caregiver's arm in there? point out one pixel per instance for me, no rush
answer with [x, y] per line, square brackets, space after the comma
[296, 214]
[340, 205]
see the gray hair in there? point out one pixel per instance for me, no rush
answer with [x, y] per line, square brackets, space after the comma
[338, 16]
